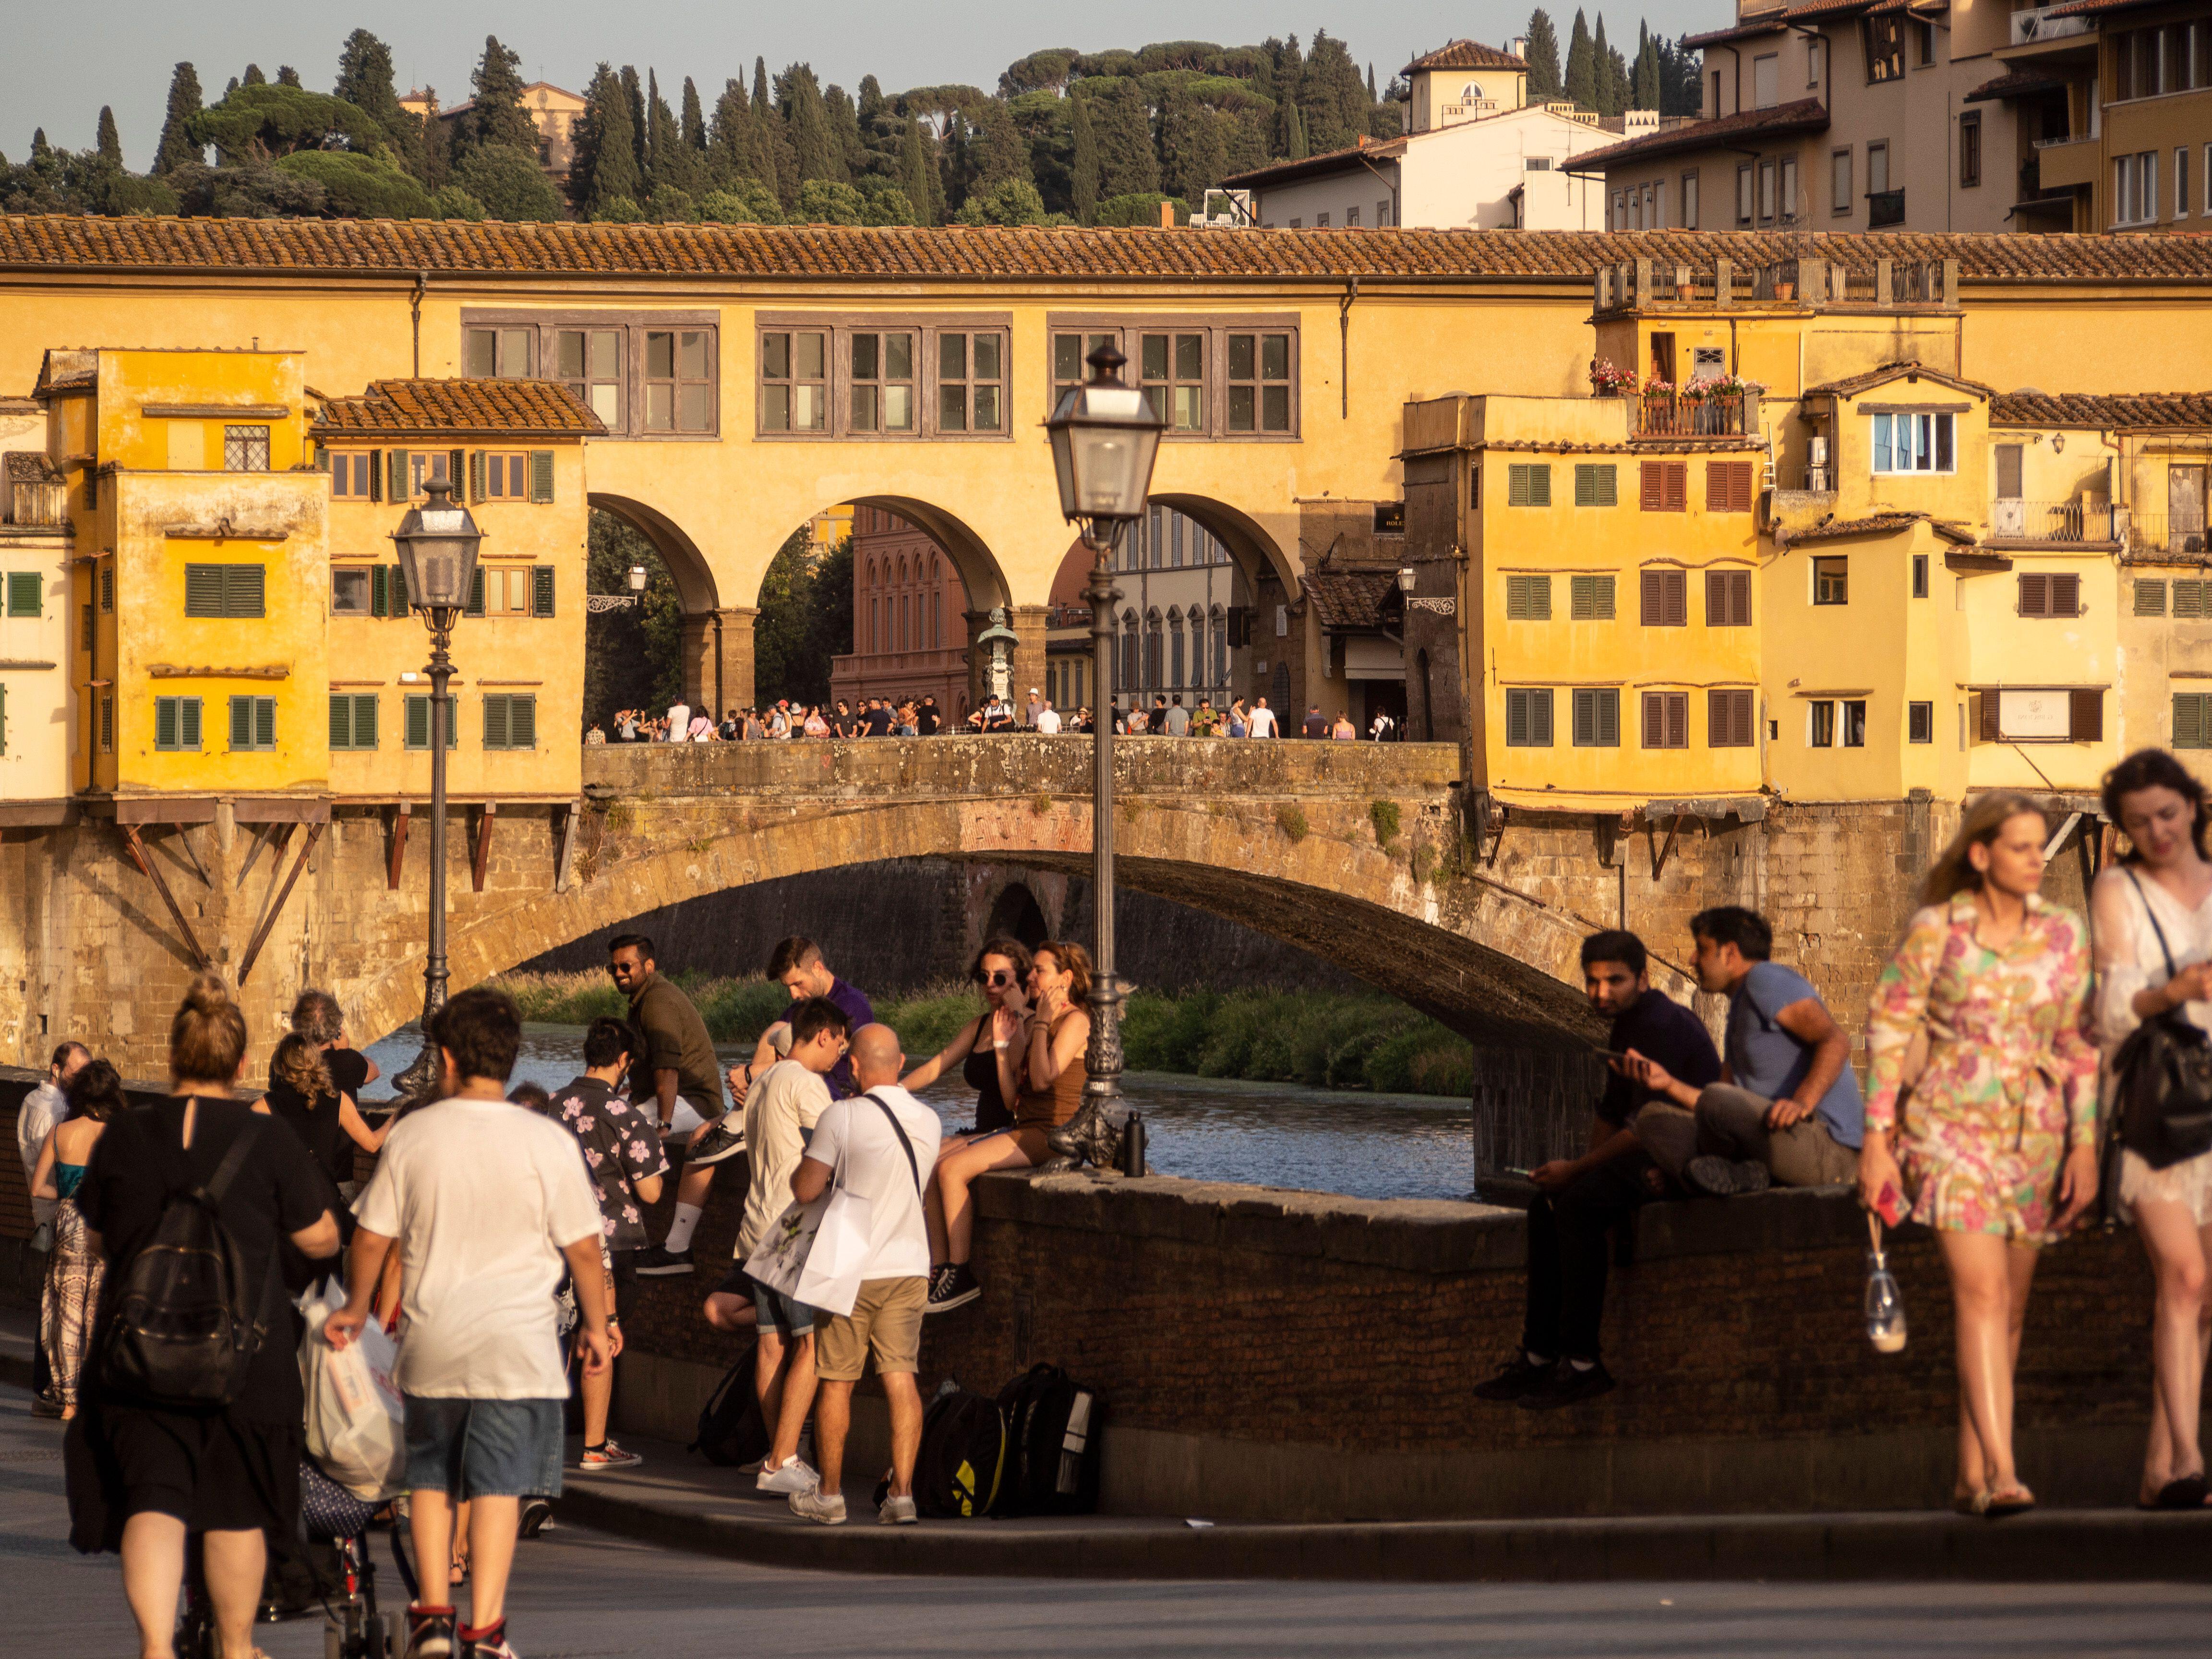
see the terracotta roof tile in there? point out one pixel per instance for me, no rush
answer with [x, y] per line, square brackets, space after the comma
[398, 408]
[30, 466]
[2029, 407]
[1767, 22]
[1284, 173]
[1466, 55]
[1880, 524]
[1851, 385]
[2019, 83]
[1350, 599]
[1805, 115]
[801, 254]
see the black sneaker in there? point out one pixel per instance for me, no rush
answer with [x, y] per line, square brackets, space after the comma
[952, 1287]
[725, 1139]
[1723, 1177]
[537, 1517]
[1568, 1385]
[432, 1635]
[44, 1405]
[1517, 1376]
[661, 1262]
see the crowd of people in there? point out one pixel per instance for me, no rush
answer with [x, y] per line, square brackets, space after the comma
[1166, 715]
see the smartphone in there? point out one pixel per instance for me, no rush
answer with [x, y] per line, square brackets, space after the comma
[1889, 1204]
[1604, 1053]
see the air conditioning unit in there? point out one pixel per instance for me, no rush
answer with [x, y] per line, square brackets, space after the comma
[1816, 451]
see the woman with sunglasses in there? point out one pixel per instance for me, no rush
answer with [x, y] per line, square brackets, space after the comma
[985, 1048]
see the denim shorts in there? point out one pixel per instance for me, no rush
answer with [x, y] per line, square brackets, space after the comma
[775, 1311]
[484, 1448]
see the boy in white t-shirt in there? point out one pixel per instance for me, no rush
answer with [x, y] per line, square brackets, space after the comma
[485, 1201]
[875, 1144]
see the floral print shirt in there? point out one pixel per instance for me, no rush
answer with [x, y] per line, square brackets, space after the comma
[621, 1148]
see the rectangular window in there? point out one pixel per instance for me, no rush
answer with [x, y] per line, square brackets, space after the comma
[506, 591]
[1906, 442]
[2192, 719]
[1970, 149]
[1664, 599]
[2181, 181]
[245, 449]
[355, 476]
[679, 393]
[176, 723]
[1070, 359]
[2150, 598]
[1529, 483]
[1820, 729]
[1728, 486]
[1727, 599]
[1689, 201]
[1729, 719]
[1919, 575]
[971, 374]
[1885, 47]
[498, 353]
[27, 591]
[351, 591]
[1920, 722]
[1350, 218]
[499, 475]
[409, 471]
[1878, 168]
[589, 363]
[1831, 583]
[794, 392]
[1259, 383]
[1767, 193]
[253, 724]
[1743, 188]
[1767, 80]
[882, 382]
[1925, 31]
[417, 734]
[224, 590]
[2049, 596]
[353, 720]
[1529, 718]
[1839, 182]
[510, 721]
[1591, 598]
[1597, 718]
[1790, 188]
[1853, 715]
[1528, 599]
[1664, 487]
[1595, 485]
[1172, 368]
[1665, 720]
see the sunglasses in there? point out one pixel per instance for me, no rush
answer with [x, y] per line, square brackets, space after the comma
[1001, 976]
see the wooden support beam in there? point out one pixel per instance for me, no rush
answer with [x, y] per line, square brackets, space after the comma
[398, 860]
[483, 844]
[147, 867]
[564, 862]
[1659, 858]
[276, 909]
[262, 837]
[184, 841]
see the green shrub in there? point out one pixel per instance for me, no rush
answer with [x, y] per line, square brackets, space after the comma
[1290, 819]
[510, 184]
[1384, 815]
[357, 186]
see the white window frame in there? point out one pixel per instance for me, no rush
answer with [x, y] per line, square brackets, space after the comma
[1930, 447]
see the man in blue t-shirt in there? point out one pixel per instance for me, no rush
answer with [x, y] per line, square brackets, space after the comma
[1787, 1108]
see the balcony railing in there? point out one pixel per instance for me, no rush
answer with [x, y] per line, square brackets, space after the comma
[1474, 109]
[2085, 520]
[1885, 208]
[39, 504]
[1644, 284]
[2038, 24]
[2172, 535]
[1671, 414]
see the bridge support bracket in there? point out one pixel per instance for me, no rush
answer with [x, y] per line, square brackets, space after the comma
[397, 860]
[140, 857]
[564, 858]
[277, 905]
[1660, 856]
[490, 816]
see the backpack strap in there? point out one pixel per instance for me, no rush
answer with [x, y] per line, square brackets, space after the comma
[233, 1161]
[2151, 915]
[899, 1129]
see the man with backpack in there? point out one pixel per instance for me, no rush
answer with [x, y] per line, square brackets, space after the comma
[874, 1146]
[485, 1201]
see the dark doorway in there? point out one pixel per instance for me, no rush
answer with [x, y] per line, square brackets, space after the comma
[1016, 915]
[1421, 717]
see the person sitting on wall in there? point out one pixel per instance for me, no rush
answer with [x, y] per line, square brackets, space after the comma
[1579, 1200]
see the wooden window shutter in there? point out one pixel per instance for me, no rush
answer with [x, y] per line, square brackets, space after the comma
[2188, 599]
[1516, 719]
[364, 720]
[241, 722]
[1651, 609]
[402, 486]
[2150, 598]
[1655, 720]
[165, 721]
[341, 720]
[1717, 494]
[2035, 596]
[1594, 486]
[379, 590]
[541, 590]
[1516, 484]
[2066, 596]
[1987, 726]
[245, 587]
[1678, 720]
[495, 721]
[1539, 719]
[476, 606]
[541, 475]
[476, 474]
[418, 722]
[1539, 485]
[2086, 710]
[2188, 732]
[398, 590]
[1678, 486]
[1609, 719]
[1652, 486]
[369, 463]
[454, 460]
[265, 722]
[188, 722]
[1540, 598]
[1517, 598]
[1675, 585]
[522, 722]
[203, 590]
[1585, 718]
[1591, 598]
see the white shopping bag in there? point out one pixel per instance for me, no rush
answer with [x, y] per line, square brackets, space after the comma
[780, 1258]
[831, 1280]
[356, 1422]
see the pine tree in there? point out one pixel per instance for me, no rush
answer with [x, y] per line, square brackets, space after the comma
[287, 75]
[776, 166]
[606, 166]
[1612, 73]
[497, 117]
[1002, 155]
[365, 81]
[634, 98]
[1084, 163]
[1644, 88]
[254, 77]
[1128, 163]
[871, 102]
[915, 170]
[40, 149]
[730, 139]
[111, 142]
[1194, 148]
[1543, 57]
[177, 146]
[1581, 81]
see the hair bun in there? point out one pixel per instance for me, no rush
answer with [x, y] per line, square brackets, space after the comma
[207, 995]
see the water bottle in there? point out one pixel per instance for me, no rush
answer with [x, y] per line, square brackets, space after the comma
[1130, 1158]
[1885, 1306]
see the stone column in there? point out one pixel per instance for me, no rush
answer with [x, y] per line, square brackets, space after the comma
[1028, 622]
[718, 658]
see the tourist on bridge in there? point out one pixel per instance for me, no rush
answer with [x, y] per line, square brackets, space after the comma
[2152, 918]
[928, 720]
[675, 1077]
[981, 1049]
[1048, 720]
[1579, 1201]
[43, 1107]
[1317, 723]
[1263, 723]
[1344, 731]
[70, 1295]
[1996, 1152]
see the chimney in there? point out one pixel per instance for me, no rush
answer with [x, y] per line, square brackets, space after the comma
[1518, 45]
[1167, 215]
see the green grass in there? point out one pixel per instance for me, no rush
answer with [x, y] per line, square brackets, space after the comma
[1323, 1039]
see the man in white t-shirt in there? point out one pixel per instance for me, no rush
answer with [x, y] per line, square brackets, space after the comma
[1048, 720]
[1263, 722]
[780, 1112]
[875, 1146]
[486, 1199]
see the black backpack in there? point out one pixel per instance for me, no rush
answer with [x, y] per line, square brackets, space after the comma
[2162, 1077]
[963, 1457]
[732, 1430]
[187, 1325]
[1052, 1444]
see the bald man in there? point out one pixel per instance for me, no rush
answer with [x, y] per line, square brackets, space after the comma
[879, 1144]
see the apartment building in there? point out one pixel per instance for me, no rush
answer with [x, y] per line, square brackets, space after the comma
[37, 701]
[554, 110]
[910, 618]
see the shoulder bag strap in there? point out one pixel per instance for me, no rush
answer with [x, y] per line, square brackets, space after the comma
[2152, 916]
[899, 1129]
[233, 1161]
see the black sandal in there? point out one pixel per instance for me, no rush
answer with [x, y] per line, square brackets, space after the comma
[2188, 1493]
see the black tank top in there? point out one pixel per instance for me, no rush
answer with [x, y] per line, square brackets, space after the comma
[981, 1070]
[316, 1123]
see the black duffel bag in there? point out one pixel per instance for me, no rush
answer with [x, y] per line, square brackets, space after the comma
[2162, 1078]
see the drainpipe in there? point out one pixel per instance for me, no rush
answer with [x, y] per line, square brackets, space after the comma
[1344, 345]
[415, 309]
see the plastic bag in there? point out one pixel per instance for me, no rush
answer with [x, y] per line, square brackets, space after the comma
[356, 1421]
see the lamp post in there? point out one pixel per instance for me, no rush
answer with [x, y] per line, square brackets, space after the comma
[637, 579]
[1105, 437]
[437, 544]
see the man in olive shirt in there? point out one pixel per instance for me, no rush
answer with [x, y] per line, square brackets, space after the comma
[673, 1074]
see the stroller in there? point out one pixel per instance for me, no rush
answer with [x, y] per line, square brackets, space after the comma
[332, 1570]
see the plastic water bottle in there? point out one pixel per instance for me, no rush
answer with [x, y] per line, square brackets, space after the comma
[1885, 1307]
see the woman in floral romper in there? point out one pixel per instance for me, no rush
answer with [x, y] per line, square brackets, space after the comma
[1998, 1147]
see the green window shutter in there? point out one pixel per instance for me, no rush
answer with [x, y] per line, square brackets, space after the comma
[418, 723]
[541, 475]
[476, 474]
[522, 722]
[454, 461]
[398, 590]
[1516, 720]
[2189, 727]
[396, 461]
[244, 590]
[1595, 485]
[1540, 720]
[25, 594]
[477, 593]
[1539, 485]
[375, 475]
[541, 590]
[241, 722]
[265, 722]
[379, 590]
[2150, 598]
[495, 721]
[165, 721]
[364, 720]
[341, 721]
[188, 722]
[1516, 484]
[1540, 598]
[1517, 598]
[2189, 599]
[203, 590]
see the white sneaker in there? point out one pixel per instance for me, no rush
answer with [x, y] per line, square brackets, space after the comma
[793, 1479]
[813, 1506]
[897, 1512]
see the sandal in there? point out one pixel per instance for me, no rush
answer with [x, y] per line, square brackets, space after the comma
[2189, 1491]
[2014, 1499]
[1965, 1500]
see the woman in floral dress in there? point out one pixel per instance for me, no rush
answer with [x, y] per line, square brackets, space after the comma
[1996, 1148]
[75, 1270]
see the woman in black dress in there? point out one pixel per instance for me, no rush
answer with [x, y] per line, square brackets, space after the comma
[142, 1477]
[983, 1048]
[304, 1092]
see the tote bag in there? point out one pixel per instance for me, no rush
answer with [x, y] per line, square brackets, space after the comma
[356, 1422]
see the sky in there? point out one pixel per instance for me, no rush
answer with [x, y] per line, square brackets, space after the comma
[61, 66]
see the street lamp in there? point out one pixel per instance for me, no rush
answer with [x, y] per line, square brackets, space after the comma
[637, 579]
[1105, 437]
[437, 544]
[1405, 579]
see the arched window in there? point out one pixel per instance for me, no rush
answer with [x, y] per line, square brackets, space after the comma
[1175, 658]
[905, 639]
[1126, 675]
[1152, 640]
[1155, 538]
[1470, 93]
[1220, 635]
[875, 618]
[937, 621]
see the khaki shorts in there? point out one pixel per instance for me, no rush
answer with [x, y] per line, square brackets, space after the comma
[886, 1320]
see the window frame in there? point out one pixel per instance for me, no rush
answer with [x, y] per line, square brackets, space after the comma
[1885, 48]
[584, 384]
[926, 327]
[970, 382]
[367, 578]
[1970, 149]
[1601, 702]
[881, 382]
[27, 594]
[1840, 168]
[1259, 383]
[1690, 199]
[1920, 722]
[1127, 330]
[1830, 575]
[197, 706]
[1531, 706]
[355, 464]
[1941, 435]
[239, 438]
[632, 323]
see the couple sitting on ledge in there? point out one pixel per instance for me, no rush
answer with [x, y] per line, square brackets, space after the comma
[1782, 1107]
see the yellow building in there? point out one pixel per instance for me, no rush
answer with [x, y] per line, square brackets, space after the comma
[516, 447]
[37, 543]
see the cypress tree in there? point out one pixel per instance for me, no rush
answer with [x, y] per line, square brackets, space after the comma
[634, 97]
[606, 166]
[871, 102]
[819, 154]
[287, 75]
[1332, 98]
[365, 81]
[1644, 92]
[1295, 146]
[1128, 162]
[773, 166]
[1611, 72]
[1002, 155]
[915, 170]
[694, 133]
[111, 143]
[254, 77]
[1083, 162]
[1290, 73]
[844, 120]
[1580, 83]
[730, 139]
[40, 149]
[497, 117]
[177, 146]
[663, 145]
[1543, 57]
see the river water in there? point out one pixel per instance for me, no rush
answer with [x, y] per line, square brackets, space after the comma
[1268, 1134]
